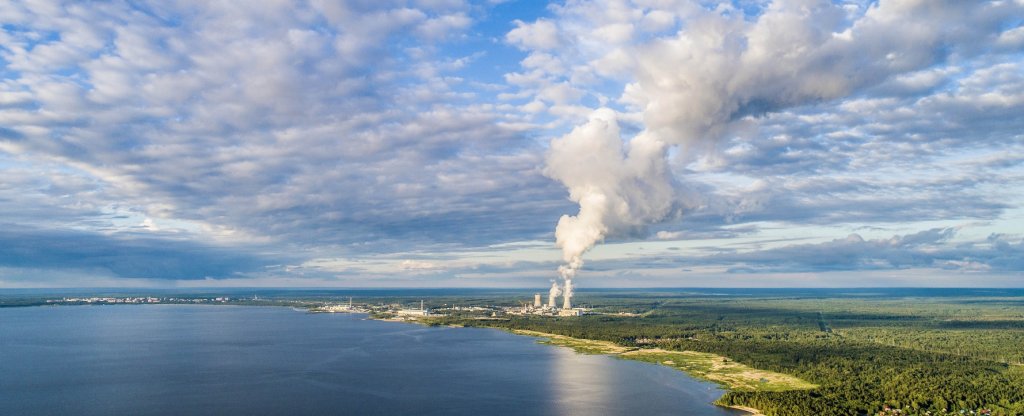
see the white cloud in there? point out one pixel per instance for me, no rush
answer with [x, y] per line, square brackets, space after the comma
[359, 128]
[541, 35]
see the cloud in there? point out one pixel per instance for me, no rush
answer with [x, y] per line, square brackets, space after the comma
[723, 80]
[126, 255]
[322, 130]
[931, 248]
[302, 122]
[541, 34]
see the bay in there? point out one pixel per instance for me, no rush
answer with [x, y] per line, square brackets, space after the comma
[236, 360]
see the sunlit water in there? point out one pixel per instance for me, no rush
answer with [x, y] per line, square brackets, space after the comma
[177, 359]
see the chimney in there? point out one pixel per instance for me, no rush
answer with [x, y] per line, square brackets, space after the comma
[567, 294]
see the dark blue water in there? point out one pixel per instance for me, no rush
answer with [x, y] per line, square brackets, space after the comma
[216, 360]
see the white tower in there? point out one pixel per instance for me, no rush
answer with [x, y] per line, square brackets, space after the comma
[536, 300]
[567, 294]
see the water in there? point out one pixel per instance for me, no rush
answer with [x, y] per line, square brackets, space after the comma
[233, 360]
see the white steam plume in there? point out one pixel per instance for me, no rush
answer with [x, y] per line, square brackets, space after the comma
[553, 294]
[620, 189]
[720, 67]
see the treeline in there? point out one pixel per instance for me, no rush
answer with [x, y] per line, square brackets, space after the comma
[923, 367]
[862, 379]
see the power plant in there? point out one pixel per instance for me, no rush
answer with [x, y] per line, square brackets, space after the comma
[551, 308]
[553, 295]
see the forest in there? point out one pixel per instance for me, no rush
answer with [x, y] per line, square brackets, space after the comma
[869, 354]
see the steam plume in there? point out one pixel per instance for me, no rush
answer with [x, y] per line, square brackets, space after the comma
[619, 188]
[553, 294]
[723, 67]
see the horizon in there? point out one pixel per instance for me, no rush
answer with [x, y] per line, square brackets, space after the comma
[498, 289]
[505, 144]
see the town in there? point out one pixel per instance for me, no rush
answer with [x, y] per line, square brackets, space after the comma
[135, 300]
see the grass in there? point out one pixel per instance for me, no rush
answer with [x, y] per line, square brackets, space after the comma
[585, 346]
[706, 366]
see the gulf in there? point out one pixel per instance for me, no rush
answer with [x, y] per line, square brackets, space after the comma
[236, 360]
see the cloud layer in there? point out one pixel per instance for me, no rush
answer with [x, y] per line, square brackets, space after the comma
[356, 141]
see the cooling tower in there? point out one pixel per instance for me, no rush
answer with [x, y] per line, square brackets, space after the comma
[567, 294]
[553, 295]
[536, 300]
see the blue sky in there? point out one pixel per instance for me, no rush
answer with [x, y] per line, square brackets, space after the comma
[439, 143]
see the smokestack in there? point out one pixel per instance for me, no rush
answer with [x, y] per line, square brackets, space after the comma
[536, 300]
[553, 295]
[567, 294]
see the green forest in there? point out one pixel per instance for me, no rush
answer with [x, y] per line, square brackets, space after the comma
[868, 354]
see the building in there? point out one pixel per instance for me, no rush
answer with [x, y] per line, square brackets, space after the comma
[414, 312]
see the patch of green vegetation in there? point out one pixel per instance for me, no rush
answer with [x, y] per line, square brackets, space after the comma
[584, 346]
[711, 367]
[846, 354]
[731, 374]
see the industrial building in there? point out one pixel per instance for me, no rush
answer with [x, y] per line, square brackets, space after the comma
[551, 308]
[414, 312]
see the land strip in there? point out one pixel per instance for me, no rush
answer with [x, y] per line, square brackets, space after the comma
[711, 367]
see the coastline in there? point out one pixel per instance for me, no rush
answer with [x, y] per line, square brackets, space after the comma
[596, 347]
[580, 345]
[584, 346]
[588, 346]
[751, 410]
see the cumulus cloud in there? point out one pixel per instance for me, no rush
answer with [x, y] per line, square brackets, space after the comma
[359, 128]
[316, 123]
[541, 34]
[715, 78]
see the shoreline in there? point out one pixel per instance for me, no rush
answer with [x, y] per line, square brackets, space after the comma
[751, 410]
[580, 345]
[588, 346]
[596, 347]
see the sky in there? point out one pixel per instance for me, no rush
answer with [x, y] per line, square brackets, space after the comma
[439, 143]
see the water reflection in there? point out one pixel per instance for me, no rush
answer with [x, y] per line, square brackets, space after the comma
[581, 386]
[171, 360]
[604, 385]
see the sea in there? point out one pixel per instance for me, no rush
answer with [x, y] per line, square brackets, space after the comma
[250, 360]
